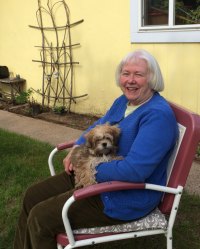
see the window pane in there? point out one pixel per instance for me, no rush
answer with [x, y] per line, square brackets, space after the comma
[187, 12]
[155, 12]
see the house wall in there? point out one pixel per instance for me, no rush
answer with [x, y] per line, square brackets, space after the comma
[105, 38]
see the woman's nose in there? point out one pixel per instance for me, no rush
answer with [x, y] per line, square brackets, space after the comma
[131, 78]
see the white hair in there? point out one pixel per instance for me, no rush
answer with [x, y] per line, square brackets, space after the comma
[155, 80]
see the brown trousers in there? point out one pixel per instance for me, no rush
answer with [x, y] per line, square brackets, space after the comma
[41, 215]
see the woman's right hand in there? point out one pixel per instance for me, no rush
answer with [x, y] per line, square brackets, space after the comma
[67, 162]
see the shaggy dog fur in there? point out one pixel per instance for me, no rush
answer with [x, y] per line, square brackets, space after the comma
[100, 146]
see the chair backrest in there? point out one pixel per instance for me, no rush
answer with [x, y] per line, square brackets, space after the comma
[185, 152]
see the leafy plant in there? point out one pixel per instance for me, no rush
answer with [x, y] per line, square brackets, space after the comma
[35, 107]
[59, 109]
[23, 97]
[185, 14]
[196, 14]
[198, 151]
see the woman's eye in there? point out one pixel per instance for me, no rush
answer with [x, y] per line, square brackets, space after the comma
[125, 74]
[139, 75]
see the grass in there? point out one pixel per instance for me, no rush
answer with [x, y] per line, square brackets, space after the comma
[24, 161]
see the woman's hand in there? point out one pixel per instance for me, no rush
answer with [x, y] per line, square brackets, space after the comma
[67, 162]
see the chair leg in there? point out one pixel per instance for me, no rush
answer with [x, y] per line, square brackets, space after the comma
[59, 246]
[169, 240]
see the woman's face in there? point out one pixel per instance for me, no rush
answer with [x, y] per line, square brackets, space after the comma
[134, 80]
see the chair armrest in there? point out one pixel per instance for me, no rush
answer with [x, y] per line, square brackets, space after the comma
[66, 145]
[118, 185]
[105, 187]
[59, 147]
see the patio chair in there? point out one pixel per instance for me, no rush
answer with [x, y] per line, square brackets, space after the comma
[161, 220]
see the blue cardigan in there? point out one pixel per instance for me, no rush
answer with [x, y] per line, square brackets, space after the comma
[147, 138]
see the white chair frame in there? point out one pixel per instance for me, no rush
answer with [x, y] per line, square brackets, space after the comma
[180, 163]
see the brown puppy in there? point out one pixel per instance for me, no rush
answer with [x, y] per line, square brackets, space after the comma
[100, 146]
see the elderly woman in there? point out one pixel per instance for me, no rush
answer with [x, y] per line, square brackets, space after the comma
[148, 135]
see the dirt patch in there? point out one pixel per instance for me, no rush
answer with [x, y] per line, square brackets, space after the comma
[73, 120]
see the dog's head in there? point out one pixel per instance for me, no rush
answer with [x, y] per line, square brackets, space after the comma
[102, 140]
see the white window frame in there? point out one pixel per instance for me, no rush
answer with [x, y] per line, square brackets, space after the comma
[160, 34]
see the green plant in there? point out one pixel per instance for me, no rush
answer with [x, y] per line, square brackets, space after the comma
[23, 97]
[196, 14]
[198, 151]
[59, 109]
[35, 107]
[185, 14]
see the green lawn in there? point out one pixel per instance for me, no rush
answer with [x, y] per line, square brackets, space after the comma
[24, 161]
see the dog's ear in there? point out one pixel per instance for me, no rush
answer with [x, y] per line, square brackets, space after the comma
[115, 132]
[89, 141]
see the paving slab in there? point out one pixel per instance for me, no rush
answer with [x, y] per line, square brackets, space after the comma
[36, 128]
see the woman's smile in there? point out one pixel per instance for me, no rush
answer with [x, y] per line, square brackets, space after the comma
[134, 82]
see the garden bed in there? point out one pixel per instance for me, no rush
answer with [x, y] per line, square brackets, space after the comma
[74, 120]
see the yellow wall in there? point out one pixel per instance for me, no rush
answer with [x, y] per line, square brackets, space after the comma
[105, 39]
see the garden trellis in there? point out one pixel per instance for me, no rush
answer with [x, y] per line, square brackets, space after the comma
[56, 56]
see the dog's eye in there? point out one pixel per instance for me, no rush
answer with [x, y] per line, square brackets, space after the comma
[98, 139]
[108, 138]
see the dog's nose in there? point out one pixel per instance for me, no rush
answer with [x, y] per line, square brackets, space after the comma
[104, 145]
